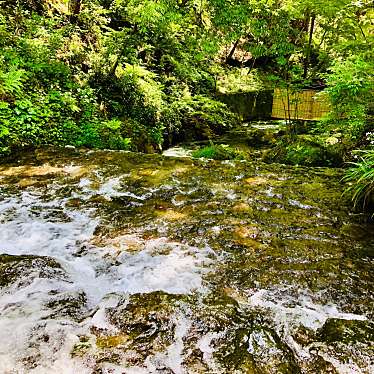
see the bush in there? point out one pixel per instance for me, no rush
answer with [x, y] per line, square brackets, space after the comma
[106, 134]
[304, 154]
[135, 96]
[306, 150]
[199, 117]
[36, 116]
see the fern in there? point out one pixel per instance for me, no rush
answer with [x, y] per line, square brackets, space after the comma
[11, 82]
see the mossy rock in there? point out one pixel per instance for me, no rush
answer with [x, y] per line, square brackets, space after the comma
[263, 137]
[13, 267]
[242, 343]
[234, 356]
[70, 304]
[259, 351]
[222, 312]
[24, 269]
[346, 331]
[148, 321]
[305, 150]
[321, 366]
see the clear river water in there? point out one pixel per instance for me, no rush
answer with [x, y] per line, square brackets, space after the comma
[115, 262]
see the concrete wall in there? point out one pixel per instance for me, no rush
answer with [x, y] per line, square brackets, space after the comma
[250, 105]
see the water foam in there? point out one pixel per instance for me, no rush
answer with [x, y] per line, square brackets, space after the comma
[291, 311]
[35, 223]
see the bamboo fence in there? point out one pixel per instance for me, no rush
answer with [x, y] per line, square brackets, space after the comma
[301, 105]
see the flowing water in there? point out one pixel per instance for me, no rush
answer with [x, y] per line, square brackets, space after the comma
[114, 262]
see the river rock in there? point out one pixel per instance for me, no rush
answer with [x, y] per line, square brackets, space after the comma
[68, 304]
[147, 321]
[269, 353]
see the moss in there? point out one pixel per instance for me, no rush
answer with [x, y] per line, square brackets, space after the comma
[347, 331]
[111, 341]
[257, 350]
[82, 347]
[146, 320]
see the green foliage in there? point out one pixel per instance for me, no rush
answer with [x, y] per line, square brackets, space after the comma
[218, 152]
[112, 76]
[201, 110]
[11, 82]
[239, 80]
[127, 73]
[350, 89]
[361, 177]
[135, 95]
[304, 154]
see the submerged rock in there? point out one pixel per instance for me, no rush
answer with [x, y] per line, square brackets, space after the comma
[145, 325]
[68, 304]
[144, 314]
[270, 354]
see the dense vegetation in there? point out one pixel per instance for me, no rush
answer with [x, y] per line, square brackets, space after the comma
[140, 75]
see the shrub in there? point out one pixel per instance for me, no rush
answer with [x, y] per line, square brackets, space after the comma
[304, 154]
[105, 134]
[306, 150]
[135, 96]
[199, 117]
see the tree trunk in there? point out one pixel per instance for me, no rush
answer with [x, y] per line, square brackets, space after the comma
[309, 47]
[232, 51]
[74, 9]
[112, 71]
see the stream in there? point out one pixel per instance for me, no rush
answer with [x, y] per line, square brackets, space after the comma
[116, 262]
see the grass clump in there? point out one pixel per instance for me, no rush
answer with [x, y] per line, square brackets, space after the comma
[361, 177]
[218, 152]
